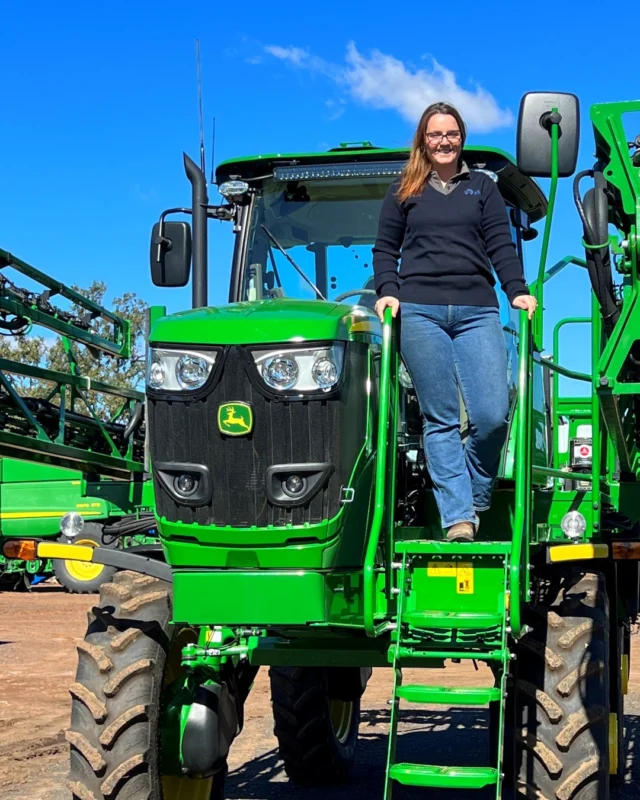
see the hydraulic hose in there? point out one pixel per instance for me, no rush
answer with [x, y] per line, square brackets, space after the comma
[130, 525]
[597, 257]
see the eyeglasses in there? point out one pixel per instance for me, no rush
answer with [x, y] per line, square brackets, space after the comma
[452, 136]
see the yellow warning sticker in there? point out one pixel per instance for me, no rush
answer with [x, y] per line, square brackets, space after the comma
[441, 569]
[464, 578]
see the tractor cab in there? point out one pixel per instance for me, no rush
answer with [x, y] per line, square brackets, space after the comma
[309, 222]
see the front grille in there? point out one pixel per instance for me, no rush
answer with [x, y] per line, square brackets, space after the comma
[315, 431]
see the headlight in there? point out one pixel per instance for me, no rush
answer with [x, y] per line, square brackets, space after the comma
[178, 370]
[72, 524]
[280, 372]
[573, 524]
[301, 370]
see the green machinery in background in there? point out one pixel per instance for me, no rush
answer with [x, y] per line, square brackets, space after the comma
[64, 466]
[296, 515]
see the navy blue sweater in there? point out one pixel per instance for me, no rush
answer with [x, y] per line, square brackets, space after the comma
[447, 244]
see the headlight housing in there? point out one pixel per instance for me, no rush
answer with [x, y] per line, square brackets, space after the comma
[573, 525]
[178, 370]
[72, 524]
[301, 370]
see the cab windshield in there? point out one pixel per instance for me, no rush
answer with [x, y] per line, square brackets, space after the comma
[327, 227]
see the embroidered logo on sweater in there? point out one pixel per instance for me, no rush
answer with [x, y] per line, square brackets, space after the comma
[472, 191]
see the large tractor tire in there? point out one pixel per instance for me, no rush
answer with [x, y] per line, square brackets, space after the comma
[316, 733]
[79, 577]
[129, 654]
[559, 712]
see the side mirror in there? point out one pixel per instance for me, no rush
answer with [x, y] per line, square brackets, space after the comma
[171, 254]
[534, 133]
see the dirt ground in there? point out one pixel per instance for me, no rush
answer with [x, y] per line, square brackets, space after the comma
[38, 634]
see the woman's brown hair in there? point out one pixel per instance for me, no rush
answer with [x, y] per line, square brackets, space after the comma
[418, 167]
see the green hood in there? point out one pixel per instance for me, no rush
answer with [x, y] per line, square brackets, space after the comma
[266, 321]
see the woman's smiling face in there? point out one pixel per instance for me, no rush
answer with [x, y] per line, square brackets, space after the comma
[443, 140]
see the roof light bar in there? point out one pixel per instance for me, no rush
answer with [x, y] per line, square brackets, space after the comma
[311, 172]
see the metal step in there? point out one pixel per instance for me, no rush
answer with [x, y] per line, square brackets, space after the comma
[431, 547]
[423, 652]
[452, 619]
[444, 695]
[443, 777]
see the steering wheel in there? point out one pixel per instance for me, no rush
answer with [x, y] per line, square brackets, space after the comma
[134, 422]
[351, 292]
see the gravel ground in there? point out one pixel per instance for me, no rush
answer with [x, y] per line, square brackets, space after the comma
[38, 633]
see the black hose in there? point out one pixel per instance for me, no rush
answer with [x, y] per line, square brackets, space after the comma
[586, 173]
[599, 271]
[135, 421]
[131, 525]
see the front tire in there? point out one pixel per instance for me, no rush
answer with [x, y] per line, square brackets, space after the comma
[560, 703]
[317, 734]
[129, 654]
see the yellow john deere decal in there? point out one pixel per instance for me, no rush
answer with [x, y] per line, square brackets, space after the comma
[43, 514]
[235, 419]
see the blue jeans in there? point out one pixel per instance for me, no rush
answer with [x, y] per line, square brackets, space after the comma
[446, 348]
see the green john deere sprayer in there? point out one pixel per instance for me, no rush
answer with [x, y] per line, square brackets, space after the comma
[296, 514]
[68, 472]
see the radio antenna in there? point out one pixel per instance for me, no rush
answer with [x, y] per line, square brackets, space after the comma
[202, 155]
[213, 151]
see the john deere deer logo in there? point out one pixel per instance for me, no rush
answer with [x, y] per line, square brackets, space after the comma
[235, 419]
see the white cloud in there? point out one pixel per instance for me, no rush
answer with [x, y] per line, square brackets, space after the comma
[385, 82]
[299, 57]
[296, 55]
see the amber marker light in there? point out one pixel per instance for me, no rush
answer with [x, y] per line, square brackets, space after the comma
[24, 549]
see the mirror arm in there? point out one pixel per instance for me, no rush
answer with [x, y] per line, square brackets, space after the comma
[224, 213]
[550, 121]
[161, 239]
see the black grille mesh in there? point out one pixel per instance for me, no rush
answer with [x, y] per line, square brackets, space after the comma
[284, 432]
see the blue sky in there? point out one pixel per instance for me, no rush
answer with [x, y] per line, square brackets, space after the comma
[99, 101]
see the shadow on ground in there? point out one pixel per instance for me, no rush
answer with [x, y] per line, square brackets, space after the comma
[455, 737]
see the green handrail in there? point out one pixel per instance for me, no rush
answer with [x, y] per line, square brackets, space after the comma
[556, 268]
[556, 343]
[552, 472]
[520, 544]
[567, 373]
[386, 426]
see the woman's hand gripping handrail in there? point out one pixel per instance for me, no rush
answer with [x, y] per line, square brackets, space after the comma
[519, 583]
[384, 473]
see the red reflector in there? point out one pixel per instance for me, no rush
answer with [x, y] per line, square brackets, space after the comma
[622, 551]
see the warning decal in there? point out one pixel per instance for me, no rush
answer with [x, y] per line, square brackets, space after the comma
[441, 569]
[464, 578]
[462, 571]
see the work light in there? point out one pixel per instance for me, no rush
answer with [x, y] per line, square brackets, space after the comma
[178, 370]
[301, 369]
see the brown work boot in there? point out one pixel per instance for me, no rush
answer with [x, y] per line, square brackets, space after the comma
[461, 532]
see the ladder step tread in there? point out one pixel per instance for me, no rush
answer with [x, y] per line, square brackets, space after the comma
[448, 695]
[431, 546]
[452, 619]
[443, 777]
[427, 653]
